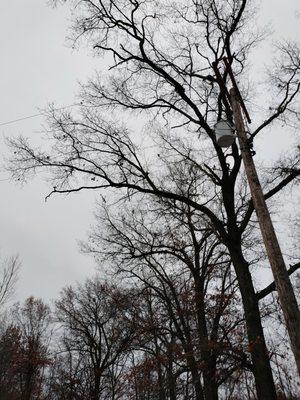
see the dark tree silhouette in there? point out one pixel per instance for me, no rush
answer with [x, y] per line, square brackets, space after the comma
[162, 56]
[170, 252]
[96, 335]
[24, 351]
[10, 270]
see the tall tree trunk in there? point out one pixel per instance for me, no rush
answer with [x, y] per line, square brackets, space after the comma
[196, 381]
[161, 388]
[210, 387]
[197, 385]
[171, 381]
[30, 376]
[97, 379]
[257, 346]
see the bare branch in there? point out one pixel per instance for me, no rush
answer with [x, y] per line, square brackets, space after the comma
[10, 271]
[272, 288]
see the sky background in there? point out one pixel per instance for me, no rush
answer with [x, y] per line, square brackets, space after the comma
[37, 68]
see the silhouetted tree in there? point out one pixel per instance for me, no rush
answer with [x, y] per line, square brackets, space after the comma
[96, 335]
[162, 56]
[10, 353]
[10, 270]
[189, 275]
[32, 319]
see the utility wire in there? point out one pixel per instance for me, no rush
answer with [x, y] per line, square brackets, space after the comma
[74, 105]
[20, 119]
[36, 115]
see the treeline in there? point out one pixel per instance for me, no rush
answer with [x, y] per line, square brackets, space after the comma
[171, 326]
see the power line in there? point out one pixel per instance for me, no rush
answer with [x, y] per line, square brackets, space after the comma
[289, 123]
[20, 119]
[36, 115]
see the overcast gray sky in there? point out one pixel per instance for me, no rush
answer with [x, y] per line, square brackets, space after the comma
[37, 68]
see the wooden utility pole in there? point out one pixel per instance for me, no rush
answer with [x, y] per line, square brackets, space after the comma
[281, 278]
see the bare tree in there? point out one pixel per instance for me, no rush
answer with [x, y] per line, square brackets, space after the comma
[24, 351]
[96, 333]
[10, 270]
[163, 55]
[10, 346]
[176, 256]
[33, 322]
